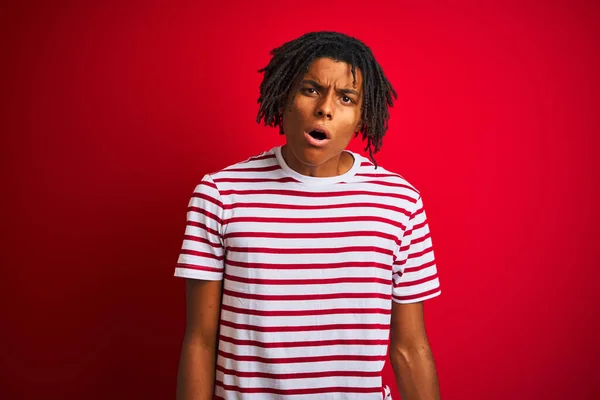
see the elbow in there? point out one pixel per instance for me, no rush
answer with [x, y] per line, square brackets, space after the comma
[194, 340]
[405, 356]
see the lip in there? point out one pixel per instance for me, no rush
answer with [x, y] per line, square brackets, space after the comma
[314, 142]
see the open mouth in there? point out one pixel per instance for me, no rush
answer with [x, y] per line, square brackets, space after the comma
[318, 135]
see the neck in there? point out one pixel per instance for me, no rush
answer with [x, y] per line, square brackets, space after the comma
[336, 165]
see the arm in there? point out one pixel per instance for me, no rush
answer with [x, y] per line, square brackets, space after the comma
[196, 376]
[411, 355]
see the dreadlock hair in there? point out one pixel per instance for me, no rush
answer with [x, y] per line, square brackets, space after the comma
[290, 61]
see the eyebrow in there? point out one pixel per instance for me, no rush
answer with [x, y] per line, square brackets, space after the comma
[318, 86]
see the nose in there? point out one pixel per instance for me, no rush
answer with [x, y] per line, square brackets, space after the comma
[325, 107]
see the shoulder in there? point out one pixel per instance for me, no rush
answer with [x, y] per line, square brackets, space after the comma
[245, 175]
[214, 186]
[263, 162]
[384, 178]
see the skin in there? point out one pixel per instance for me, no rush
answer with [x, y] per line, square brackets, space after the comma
[321, 99]
[197, 363]
[326, 97]
[411, 355]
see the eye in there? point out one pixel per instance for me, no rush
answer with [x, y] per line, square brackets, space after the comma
[309, 90]
[347, 100]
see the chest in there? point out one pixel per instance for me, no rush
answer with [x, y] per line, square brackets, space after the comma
[319, 245]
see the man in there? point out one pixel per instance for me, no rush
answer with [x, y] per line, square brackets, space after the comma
[301, 260]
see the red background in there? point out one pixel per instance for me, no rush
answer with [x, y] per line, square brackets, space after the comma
[112, 113]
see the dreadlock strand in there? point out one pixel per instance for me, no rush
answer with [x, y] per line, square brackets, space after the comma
[292, 59]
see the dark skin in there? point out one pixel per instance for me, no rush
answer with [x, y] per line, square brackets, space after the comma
[411, 355]
[197, 363]
[327, 96]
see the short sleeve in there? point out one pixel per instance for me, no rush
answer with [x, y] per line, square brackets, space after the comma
[202, 253]
[415, 276]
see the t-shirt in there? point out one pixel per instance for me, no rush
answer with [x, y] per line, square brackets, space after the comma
[310, 267]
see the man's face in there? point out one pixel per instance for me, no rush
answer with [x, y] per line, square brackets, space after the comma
[326, 102]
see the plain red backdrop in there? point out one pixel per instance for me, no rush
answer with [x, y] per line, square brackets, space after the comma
[112, 113]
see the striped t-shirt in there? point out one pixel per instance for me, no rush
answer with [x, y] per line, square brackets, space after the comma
[310, 267]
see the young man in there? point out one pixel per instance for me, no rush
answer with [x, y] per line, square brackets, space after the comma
[301, 260]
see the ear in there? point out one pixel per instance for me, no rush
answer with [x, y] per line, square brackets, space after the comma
[358, 125]
[284, 104]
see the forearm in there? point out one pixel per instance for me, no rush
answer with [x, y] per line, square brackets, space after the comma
[196, 375]
[415, 372]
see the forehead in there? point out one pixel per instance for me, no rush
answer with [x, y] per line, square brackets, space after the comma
[327, 71]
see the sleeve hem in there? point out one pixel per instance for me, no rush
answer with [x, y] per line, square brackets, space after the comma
[417, 299]
[196, 274]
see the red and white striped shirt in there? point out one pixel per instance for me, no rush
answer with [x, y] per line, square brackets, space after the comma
[310, 267]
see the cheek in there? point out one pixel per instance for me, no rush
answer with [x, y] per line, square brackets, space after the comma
[303, 106]
[351, 121]
[295, 115]
[344, 141]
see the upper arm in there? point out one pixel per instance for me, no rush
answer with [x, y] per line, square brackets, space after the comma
[408, 325]
[201, 262]
[203, 251]
[203, 301]
[415, 276]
